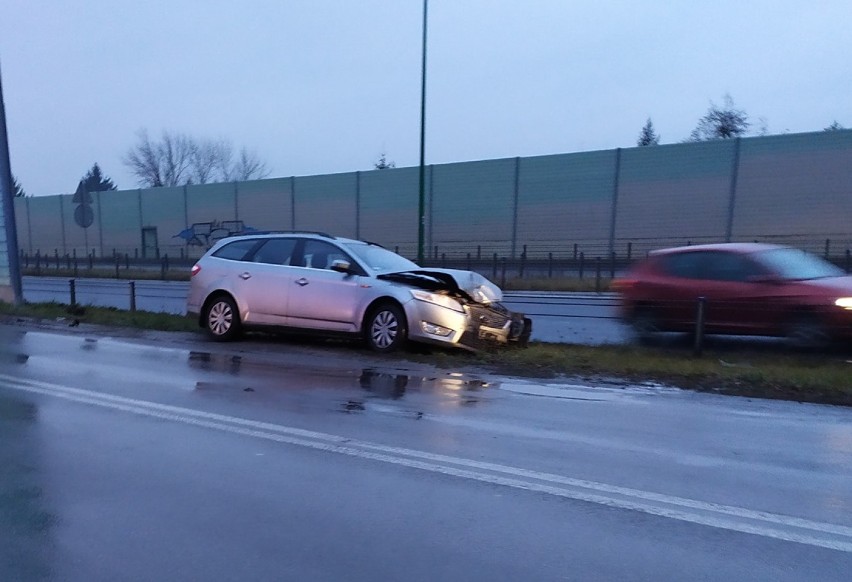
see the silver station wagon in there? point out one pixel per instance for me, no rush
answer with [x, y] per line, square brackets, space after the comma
[318, 282]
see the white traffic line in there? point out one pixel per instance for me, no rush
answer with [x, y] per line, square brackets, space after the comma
[770, 525]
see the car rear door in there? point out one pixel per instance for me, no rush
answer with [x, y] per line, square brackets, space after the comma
[264, 281]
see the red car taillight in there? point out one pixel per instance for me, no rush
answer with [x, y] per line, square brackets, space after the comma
[622, 285]
[196, 268]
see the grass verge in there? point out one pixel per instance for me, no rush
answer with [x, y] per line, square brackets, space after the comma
[101, 315]
[762, 373]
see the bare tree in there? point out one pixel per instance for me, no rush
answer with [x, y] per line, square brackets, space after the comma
[248, 167]
[648, 137]
[178, 159]
[835, 126]
[210, 161]
[724, 122]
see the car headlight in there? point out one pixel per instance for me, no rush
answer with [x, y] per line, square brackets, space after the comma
[844, 302]
[437, 299]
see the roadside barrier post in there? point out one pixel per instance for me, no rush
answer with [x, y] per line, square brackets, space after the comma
[133, 296]
[698, 348]
[597, 275]
[72, 287]
[469, 266]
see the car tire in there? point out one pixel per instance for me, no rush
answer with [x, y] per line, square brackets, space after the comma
[386, 329]
[222, 319]
[645, 324]
[807, 332]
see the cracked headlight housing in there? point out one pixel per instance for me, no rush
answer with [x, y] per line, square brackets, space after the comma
[437, 299]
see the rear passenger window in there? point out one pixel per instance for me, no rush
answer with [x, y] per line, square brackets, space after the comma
[276, 251]
[686, 265]
[237, 250]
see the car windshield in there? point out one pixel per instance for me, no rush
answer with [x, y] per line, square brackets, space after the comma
[798, 265]
[380, 260]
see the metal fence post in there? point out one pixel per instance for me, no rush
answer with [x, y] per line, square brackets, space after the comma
[597, 275]
[133, 296]
[72, 287]
[698, 348]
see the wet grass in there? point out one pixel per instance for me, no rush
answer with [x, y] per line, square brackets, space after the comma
[765, 372]
[100, 315]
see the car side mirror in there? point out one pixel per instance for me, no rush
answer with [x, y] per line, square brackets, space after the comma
[342, 266]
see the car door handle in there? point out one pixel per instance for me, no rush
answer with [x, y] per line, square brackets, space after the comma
[302, 282]
[245, 276]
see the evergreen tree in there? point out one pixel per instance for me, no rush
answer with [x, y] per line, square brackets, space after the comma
[383, 163]
[16, 188]
[834, 126]
[648, 137]
[95, 181]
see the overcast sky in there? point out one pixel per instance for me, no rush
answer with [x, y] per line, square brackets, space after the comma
[325, 86]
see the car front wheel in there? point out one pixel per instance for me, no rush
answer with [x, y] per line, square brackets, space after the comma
[386, 329]
[222, 319]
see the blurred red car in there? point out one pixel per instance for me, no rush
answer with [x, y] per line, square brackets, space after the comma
[749, 289]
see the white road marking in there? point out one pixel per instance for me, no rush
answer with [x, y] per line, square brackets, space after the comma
[766, 524]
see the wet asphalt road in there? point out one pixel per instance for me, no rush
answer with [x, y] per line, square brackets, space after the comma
[169, 458]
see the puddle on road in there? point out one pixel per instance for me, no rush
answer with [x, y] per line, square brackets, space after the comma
[374, 383]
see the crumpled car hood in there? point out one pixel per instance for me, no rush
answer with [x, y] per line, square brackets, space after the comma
[468, 284]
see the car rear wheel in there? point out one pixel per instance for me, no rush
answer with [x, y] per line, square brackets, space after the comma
[386, 329]
[807, 332]
[645, 324]
[222, 319]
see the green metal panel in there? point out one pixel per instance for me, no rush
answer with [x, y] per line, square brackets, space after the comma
[796, 186]
[473, 205]
[165, 209]
[565, 199]
[46, 220]
[265, 204]
[388, 207]
[120, 217]
[674, 194]
[326, 203]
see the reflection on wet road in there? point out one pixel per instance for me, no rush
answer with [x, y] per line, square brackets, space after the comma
[162, 460]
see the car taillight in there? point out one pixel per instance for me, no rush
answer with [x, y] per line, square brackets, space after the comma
[196, 268]
[622, 285]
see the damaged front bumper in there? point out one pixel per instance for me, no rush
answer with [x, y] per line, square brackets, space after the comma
[493, 325]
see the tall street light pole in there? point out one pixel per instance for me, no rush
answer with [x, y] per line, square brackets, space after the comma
[421, 208]
[8, 212]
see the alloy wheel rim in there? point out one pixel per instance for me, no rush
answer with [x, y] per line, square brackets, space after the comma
[384, 329]
[220, 318]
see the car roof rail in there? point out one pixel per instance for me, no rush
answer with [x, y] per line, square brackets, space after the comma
[373, 244]
[316, 232]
